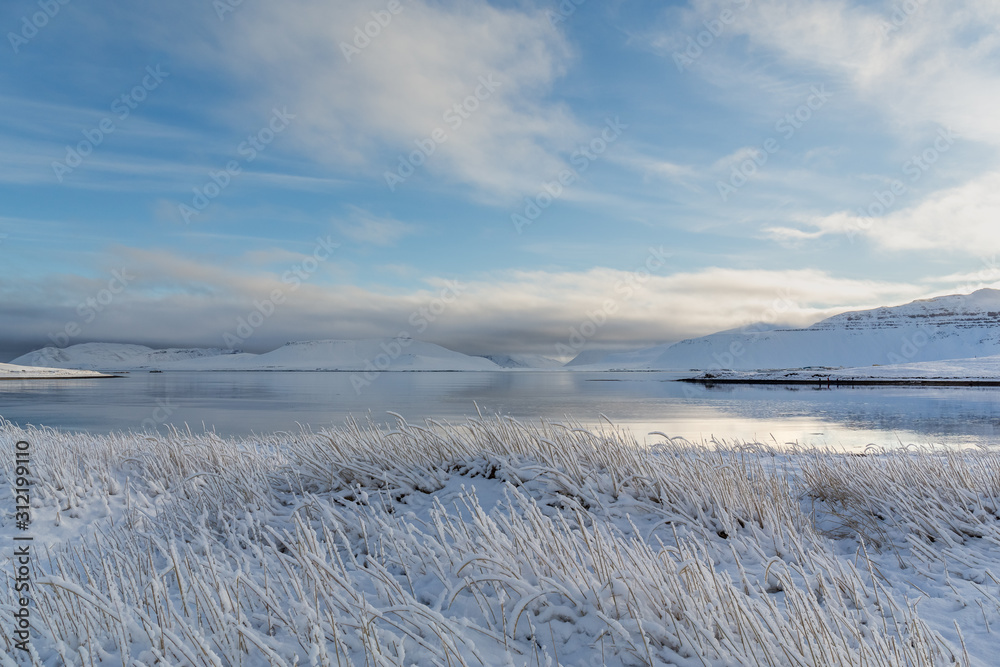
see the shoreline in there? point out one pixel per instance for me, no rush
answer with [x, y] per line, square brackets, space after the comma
[100, 376]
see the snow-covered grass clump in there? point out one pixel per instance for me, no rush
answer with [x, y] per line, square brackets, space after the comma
[499, 543]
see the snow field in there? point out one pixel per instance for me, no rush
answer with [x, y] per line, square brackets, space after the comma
[495, 542]
[16, 372]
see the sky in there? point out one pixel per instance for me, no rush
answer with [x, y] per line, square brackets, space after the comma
[496, 177]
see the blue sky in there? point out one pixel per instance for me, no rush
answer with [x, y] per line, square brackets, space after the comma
[169, 169]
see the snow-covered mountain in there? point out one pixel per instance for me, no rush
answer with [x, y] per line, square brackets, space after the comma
[535, 361]
[377, 354]
[342, 355]
[947, 327]
[112, 356]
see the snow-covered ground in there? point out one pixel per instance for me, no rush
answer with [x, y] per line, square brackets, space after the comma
[984, 368]
[338, 355]
[17, 372]
[499, 543]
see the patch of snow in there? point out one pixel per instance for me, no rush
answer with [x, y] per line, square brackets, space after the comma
[958, 370]
[18, 372]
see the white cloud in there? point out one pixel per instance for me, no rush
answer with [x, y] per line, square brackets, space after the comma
[962, 218]
[920, 65]
[790, 235]
[508, 311]
[737, 156]
[655, 168]
[935, 65]
[367, 228]
[364, 109]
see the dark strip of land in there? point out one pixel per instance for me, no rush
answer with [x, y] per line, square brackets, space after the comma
[851, 382]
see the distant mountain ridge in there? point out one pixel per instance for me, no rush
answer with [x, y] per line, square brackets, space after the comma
[957, 326]
[948, 327]
[976, 310]
[367, 355]
[113, 356]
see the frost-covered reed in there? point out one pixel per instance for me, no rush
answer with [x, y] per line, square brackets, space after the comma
[494, 542]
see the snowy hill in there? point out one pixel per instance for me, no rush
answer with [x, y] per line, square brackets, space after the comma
[347, 355]
[112, 356]
[535, 361]
[948, 327]
[343, 355]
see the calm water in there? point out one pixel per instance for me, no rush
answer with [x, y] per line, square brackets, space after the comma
[242, 403]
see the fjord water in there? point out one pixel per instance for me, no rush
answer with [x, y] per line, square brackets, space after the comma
[241, 403]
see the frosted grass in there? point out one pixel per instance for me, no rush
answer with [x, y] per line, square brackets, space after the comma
[495, 542]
